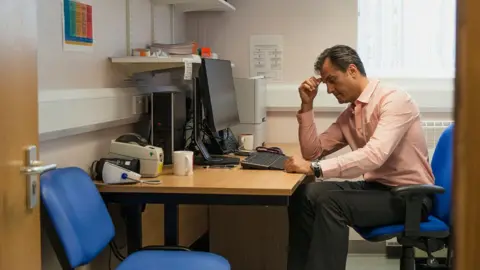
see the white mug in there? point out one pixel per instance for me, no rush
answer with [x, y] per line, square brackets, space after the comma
[183, 163]
[246, 141]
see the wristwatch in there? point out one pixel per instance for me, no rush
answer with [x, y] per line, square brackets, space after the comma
[317, 170]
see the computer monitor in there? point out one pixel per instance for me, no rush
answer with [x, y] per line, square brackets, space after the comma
[217, 92]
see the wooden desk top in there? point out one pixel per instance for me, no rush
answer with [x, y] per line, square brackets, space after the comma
[234, 181]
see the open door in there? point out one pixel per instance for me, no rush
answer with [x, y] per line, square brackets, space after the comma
[467, 138]
[19, 168]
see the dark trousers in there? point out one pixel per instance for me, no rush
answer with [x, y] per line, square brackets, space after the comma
[321, 212]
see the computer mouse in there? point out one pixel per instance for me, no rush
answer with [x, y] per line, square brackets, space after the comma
[132, 138]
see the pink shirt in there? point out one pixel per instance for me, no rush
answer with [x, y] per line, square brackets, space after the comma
[384, 131]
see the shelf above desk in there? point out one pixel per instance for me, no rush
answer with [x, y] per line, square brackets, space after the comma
[198, 5]
[136, 64]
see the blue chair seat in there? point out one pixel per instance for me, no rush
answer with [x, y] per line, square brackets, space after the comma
[178, 260]
[432, 225]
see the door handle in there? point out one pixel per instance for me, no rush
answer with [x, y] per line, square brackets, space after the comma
[32, 170]
[36, 170]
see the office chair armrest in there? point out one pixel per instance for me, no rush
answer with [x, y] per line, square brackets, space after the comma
[171, 248]
[414, 190]
[414, 195]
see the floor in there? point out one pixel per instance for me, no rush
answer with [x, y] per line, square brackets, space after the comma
[372, 262]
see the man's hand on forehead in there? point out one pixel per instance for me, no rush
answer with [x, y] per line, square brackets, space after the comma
[318, 78]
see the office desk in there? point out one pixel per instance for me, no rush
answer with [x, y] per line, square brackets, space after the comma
[209, 186]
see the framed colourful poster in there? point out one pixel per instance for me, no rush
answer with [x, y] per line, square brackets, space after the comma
[77, 26]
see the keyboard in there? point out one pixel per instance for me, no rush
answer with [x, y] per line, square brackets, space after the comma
[264, 161]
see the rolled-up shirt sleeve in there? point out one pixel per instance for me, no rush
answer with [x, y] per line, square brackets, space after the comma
[397, 113]
[315, 145]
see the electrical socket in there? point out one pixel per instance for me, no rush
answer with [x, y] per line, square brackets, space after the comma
[140, 104]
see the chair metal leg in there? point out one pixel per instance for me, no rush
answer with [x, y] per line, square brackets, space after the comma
[449, 258]
[450, 254]
[407, 261]
[431, 260]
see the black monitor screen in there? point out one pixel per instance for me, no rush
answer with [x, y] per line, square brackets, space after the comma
[218, 94]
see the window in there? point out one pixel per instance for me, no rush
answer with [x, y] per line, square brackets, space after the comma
[407, 38]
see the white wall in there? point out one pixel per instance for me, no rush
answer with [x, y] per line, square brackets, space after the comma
[86, 86]
[80, 150]
[308, 27]
[64, 70]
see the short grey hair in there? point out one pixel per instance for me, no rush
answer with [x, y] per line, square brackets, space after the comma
[341, 57]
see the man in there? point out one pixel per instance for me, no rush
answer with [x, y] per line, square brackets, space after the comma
[382, 127]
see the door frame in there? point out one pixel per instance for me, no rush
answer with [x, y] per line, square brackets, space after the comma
[466, 183]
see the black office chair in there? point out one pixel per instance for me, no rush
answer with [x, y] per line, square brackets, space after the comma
[434, 233]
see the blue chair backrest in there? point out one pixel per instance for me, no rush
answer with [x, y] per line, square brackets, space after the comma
[77, 212]
[442, 166]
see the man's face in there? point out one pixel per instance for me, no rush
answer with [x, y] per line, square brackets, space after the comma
[340, 84]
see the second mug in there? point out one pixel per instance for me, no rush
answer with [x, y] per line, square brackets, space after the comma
[246, 142]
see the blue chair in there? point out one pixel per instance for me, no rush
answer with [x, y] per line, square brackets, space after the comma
[433, 234]
[79, 226]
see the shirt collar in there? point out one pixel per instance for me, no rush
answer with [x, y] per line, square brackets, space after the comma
[367, 92]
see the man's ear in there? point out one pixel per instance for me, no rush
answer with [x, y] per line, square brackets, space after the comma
[352, 71]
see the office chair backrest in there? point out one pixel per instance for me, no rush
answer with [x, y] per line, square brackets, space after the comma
[442, 166]
[77, 213]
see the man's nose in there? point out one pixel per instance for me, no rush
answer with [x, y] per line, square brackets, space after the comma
[330, 89]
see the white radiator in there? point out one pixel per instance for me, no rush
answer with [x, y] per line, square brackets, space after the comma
[433, 130]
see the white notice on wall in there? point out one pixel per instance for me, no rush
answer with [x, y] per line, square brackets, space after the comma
[266, 56]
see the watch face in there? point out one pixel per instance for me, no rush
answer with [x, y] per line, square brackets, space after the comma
[316, 169]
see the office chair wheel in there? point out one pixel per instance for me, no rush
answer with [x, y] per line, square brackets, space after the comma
[432, 262]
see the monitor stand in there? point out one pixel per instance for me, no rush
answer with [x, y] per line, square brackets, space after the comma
[207, 159]
[221, 143]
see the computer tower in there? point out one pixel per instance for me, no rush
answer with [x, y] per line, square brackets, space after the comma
[168, 115]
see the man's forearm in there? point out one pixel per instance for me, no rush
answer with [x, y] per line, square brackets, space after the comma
[307, 133]
[312, 144]
[306, 107]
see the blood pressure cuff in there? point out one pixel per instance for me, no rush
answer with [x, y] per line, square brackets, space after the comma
[129, 164]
